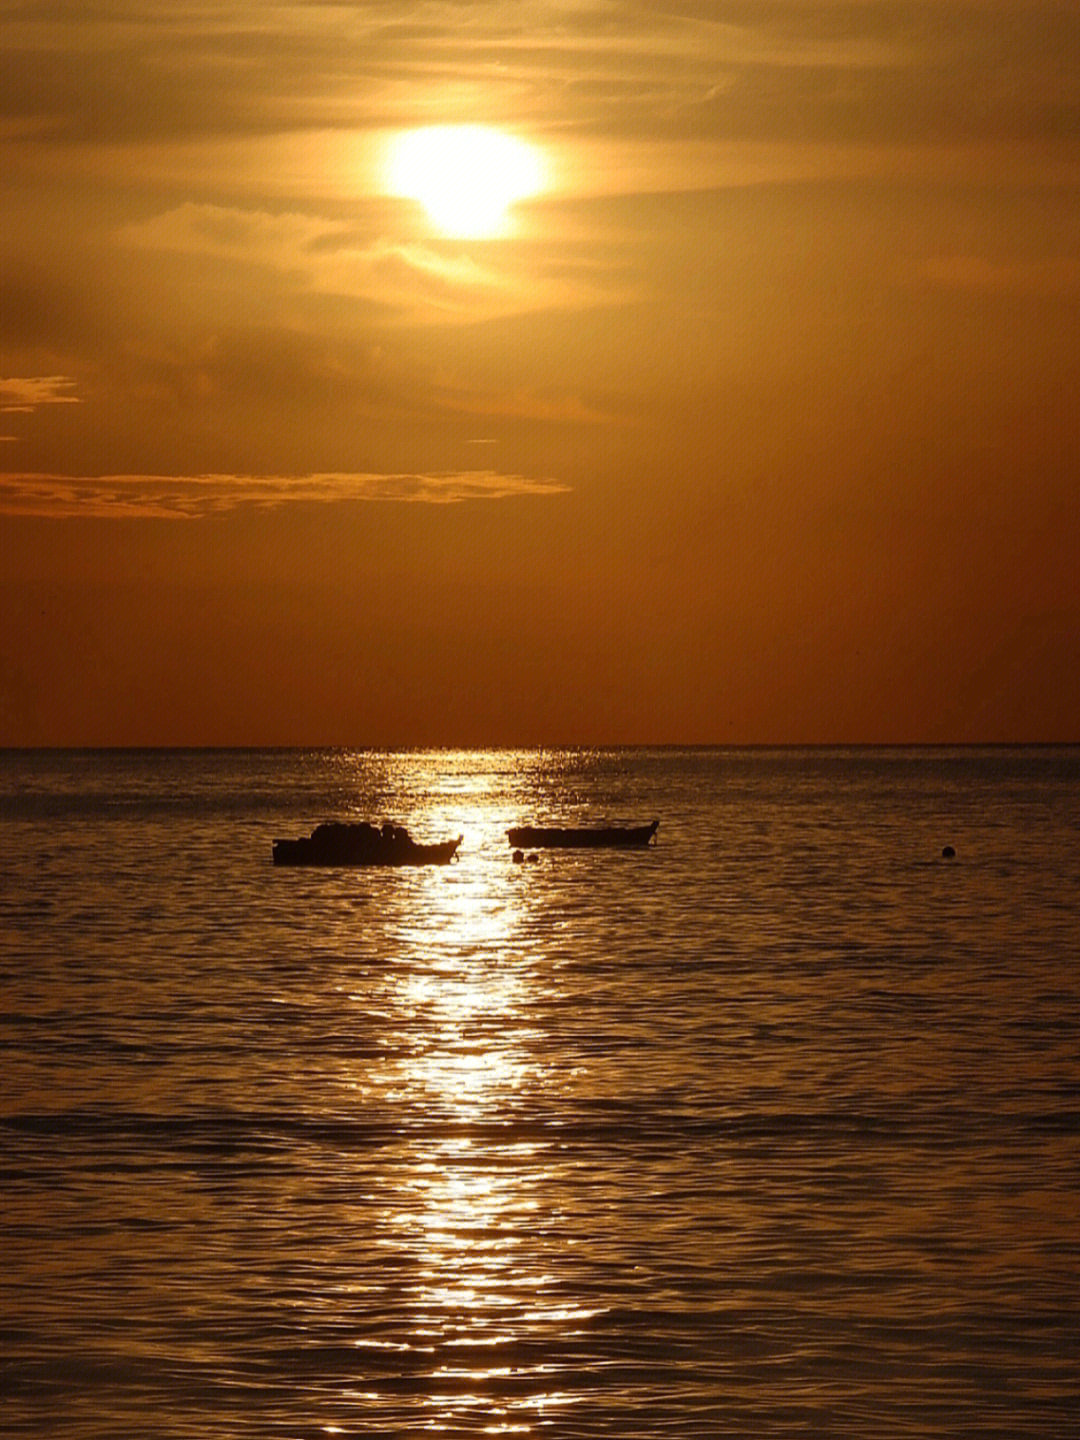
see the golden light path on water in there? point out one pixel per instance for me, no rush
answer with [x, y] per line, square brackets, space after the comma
[464, 1048]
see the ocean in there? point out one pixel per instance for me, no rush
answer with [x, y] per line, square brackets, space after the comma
[770, 1129]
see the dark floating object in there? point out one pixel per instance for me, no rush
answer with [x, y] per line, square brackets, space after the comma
[341, 843]
[573, 838]
[948, 853]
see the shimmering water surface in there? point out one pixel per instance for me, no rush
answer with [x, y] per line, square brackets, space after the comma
[771, 1129]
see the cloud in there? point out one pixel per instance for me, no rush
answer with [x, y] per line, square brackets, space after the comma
[409, 278]
[184, 68]
[192, 497]
[24, 394]
[249, 99]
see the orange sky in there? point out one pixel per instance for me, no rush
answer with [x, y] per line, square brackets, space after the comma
[759, 423]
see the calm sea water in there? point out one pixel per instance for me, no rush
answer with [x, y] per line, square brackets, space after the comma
[772, 1129]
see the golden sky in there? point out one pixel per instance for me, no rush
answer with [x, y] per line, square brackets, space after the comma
[747, 411]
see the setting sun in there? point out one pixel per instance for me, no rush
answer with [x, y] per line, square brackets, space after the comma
[465, 176]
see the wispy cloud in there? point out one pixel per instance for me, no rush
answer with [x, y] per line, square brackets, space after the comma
[409, 278]
[249, 99]
[192, 497]
[21, 394]
[249, 67]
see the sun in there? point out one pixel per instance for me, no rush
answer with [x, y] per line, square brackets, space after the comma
[467, 177]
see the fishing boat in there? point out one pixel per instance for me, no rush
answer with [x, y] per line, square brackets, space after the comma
[344, 843]
[581, 837]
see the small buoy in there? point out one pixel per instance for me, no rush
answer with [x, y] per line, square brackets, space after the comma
[948, 853]
[533, 859]
[519, 856]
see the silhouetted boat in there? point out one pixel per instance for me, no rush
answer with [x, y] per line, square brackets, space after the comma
[342, 843]
[581, 837]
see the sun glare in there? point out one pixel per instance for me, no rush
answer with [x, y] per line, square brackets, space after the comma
[467, 177]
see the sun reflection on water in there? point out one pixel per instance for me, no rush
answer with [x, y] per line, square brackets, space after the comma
[462, 1049]
[482, 1295]
[469, 1222]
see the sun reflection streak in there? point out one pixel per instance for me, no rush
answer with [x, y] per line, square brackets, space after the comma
[466, 1229]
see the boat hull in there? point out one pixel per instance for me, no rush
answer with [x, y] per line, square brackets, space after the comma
[582, 837]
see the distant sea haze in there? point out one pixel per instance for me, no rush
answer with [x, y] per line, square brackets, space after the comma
[769, 1128]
